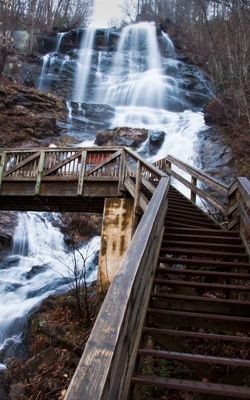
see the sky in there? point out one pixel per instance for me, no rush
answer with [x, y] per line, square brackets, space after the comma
[104, 11]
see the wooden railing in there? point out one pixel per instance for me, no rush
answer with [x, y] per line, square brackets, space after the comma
[199, 183]
[106, 366]
[69, 165]
[139, 173]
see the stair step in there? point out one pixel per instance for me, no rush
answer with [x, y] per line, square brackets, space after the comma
[200, 304]
[214, 389]
[203, 239]
[195, 358]
[197, 272]
[203, 263]
[199, 316]
[198, 285]
[195, 335]
[202, 232]
[210, 254]
[204, 245]
[179, 209]
[188, 217]
[188, 222]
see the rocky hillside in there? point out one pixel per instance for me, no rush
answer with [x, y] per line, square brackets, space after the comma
[27, 116]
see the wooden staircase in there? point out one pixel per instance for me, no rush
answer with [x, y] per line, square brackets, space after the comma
[195, 342]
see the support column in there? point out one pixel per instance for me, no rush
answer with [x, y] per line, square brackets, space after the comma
[116, 235]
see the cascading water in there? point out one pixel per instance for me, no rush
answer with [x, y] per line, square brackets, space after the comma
[84, 66]
[48, 62]
[39, 265]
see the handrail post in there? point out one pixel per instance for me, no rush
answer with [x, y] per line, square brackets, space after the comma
[233, 215]
[244, 210]
[81, 173]
[40, 173]
[2, 164]
[193, 194]
[137, 211]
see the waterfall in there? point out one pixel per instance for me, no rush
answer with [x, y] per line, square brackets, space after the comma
[48, 62]
[137, 71]
[39, 265]
[60, 36]
[84, 65]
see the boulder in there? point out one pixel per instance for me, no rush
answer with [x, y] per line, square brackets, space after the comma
[121, 137]
[156, 139]
[7, 227]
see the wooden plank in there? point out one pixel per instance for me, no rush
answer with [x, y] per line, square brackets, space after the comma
[81, 174]
[62, 163]
[196, 335]
[197, 358]
[39, 173]
[101, 373]
[211, 389]
[198, 285]
[22, 164]
[204, 263]
[105, 162]
[203, 177]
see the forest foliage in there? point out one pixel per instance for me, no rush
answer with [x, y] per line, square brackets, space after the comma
[218, 32]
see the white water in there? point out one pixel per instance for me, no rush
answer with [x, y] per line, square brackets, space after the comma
[84, 65]
[146, 89]
[40, 265]
[60, 36]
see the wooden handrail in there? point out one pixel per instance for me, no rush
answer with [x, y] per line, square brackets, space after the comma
[201, 176]
[106, 366]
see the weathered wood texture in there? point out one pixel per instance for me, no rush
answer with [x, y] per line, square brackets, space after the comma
[105, 369]
[116, 236]
[244, 210]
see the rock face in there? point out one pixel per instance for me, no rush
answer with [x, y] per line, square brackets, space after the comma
[104, 39]
[121, 137]
[27, 115]
[7, 228]
[214, 113]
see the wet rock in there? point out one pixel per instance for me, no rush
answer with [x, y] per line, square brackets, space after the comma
[7, 227]
[156, 139]
[35, 270]
[121, 137]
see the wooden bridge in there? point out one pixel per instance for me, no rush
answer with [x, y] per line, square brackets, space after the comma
[175, 319]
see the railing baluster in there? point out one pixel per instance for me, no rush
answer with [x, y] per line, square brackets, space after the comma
[81, 174]
[2, 164]
[193, 194]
